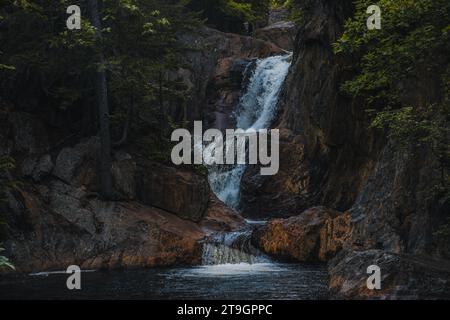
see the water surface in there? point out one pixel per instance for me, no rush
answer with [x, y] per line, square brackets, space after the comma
[232, 281]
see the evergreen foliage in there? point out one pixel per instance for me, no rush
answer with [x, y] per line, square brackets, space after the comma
[402, 72]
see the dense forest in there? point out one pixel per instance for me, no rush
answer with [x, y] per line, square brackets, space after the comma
[87, 116]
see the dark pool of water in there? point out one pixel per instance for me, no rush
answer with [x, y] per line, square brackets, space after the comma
[242, 281]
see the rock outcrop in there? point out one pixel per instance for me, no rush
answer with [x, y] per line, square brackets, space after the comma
[317, 234]
[52, 227]
[73, 228]
[220, 218]
[281, 33]
[55, 218]
[277, 15]
[402, 276]
[283, 194]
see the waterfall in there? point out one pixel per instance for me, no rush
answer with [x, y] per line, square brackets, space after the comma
[231, 248]
[256, 110]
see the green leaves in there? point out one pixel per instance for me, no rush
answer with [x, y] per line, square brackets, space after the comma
[4, 262]
[129, 5]
[41, 60]
[412, 40]
[230, 15]
[242, 10]
[5, 67]
[402, 73]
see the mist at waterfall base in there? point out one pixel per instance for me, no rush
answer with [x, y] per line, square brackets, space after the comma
[231, 268]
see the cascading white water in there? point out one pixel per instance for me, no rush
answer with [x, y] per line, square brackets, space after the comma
[256, 110]
[231, 248]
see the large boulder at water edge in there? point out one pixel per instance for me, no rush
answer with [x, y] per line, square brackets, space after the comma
[318, 234]
[56, 218]
[50, 228]
[403, 276]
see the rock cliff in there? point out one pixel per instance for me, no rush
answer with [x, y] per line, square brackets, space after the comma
[333, 158]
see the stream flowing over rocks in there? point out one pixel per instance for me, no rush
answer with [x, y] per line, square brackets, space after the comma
[344, 198]
[256, 110]
[236, 252]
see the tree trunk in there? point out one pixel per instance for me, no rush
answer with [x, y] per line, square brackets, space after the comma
[162, 113]
[126, 127]
[106, 182]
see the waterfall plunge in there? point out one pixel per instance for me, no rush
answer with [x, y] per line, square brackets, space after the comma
[256, 110]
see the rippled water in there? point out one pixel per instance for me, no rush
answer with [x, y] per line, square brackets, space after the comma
[232, 281]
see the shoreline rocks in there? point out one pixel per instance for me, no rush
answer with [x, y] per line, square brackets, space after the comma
[52, 227]
[316, 235]
[403, 276]
[55, 218]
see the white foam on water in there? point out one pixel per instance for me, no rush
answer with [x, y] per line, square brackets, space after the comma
[234, 269]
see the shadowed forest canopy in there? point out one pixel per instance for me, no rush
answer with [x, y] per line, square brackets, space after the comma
[95, 80]
[230, 15]
[44, 65]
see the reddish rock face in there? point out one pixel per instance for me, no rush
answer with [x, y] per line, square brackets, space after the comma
[74, 228]
[315, 235]
[334, 235]
[58, 221]
[149, 237]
